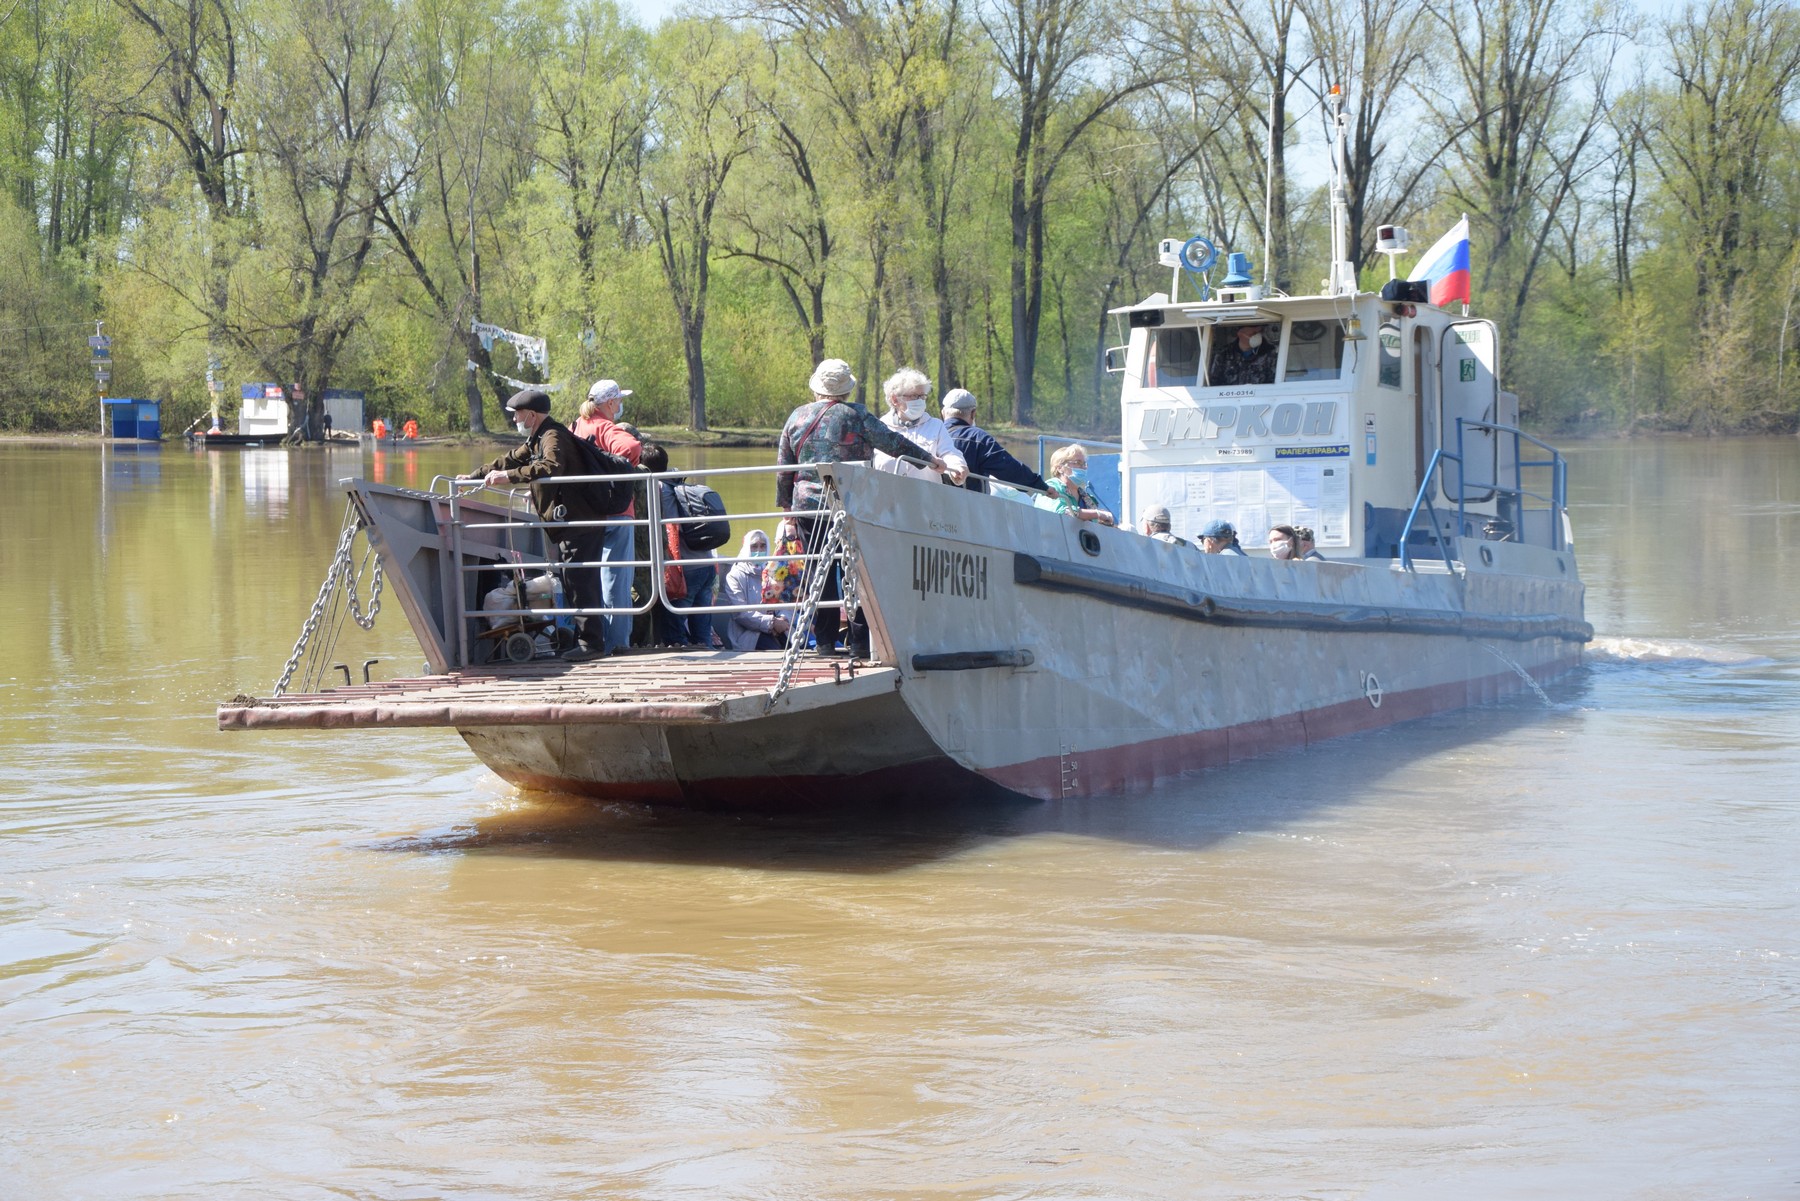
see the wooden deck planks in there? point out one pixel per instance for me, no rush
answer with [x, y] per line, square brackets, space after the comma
[654, 689]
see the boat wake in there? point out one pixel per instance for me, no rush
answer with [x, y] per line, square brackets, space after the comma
[1615, 653]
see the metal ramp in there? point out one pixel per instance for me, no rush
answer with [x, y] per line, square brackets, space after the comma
[671, 688]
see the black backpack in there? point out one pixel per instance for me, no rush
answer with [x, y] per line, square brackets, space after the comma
[697, 500]
[609, 497]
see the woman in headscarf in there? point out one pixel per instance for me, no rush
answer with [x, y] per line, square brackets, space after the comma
[755, 629]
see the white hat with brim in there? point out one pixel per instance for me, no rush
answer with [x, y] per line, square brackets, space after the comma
[605, 390]
[832, 378]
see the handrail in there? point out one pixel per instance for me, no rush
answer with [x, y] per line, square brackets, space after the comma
[456, 491]
[1556, 502]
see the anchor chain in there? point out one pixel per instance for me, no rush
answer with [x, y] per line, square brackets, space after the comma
[342, 572]
[835, 536]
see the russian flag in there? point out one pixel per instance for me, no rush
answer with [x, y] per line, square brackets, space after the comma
[1446, 266]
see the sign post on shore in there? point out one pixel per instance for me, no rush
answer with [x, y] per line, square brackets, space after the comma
[100, 346]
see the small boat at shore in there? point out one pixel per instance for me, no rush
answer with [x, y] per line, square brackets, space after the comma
[1017, 649]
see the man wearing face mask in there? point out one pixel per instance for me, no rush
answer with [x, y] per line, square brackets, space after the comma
[906, 390]
[549, 450]
[1244, 354]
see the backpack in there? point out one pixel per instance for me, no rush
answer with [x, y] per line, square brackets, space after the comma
[609, 497]
[697, 500]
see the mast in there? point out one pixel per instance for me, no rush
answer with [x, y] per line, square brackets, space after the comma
[1343, 273]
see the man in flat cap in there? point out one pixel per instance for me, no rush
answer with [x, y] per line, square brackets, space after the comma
[549, 450]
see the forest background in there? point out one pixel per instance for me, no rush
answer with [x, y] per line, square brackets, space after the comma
[331, 193]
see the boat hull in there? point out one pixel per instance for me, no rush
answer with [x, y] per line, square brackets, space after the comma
[1017, 650]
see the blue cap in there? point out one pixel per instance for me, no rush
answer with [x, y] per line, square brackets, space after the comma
[1219, 528]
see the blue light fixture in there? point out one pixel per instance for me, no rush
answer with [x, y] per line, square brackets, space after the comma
[1237, 271]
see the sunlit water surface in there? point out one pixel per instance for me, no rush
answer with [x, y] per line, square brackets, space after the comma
[1525, 951]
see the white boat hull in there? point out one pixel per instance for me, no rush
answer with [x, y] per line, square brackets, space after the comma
[1017, 650]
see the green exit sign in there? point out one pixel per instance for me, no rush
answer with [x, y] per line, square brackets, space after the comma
[1467, 367]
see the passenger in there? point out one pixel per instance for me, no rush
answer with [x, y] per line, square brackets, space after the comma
[980, 449]
[753, 629]
[1153, 522]
[587, 422]
[1497, 529]
[698, 569]
[1243, 355]
[1303, 544]
[1068, 487]
[549, 450]
[616, 543]
[906, 391]
[1220, 538]
[830, 429]
[1284, 542]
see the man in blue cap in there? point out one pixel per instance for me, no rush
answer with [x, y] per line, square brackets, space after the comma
[1220, 538]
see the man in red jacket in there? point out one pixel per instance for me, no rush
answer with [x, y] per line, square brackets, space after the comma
[616, 545]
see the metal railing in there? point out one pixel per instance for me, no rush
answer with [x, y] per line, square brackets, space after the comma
[513, 558]
[1555, 503]
[480, 543]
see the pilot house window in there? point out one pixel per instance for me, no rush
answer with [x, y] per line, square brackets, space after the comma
[1174, 360]
[1315, 349]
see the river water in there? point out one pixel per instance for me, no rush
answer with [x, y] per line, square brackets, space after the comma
[1531, 951]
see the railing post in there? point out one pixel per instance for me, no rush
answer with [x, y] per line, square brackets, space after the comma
[459, 641]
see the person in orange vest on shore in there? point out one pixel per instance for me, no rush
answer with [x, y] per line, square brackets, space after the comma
[411, 428]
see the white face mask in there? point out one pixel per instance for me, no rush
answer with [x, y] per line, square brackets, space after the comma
[619, 415]
[1256, 341]
[912, 410]
[521, 427]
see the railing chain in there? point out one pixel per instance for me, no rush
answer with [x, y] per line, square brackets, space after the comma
[803, 617]
[342, 572]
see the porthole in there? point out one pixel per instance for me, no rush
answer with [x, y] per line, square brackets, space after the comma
[1487, 555]
[1090, 542]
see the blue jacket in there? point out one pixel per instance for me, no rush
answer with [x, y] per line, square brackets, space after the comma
[986, 456]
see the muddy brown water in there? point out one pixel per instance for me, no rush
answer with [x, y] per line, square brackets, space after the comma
[1524, 951]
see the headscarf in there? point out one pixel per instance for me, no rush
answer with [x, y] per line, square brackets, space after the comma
[745, 563]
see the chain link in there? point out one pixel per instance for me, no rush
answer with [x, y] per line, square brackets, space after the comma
[340, 571]
[803, 619]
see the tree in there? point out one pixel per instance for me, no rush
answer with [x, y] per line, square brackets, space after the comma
[1056, 54]
[1521, 65]
[1734, 63]
[467, 100]
[704, 125]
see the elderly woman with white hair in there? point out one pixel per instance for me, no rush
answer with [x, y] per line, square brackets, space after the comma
[906, 391]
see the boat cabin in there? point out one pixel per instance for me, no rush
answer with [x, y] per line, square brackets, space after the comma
[1322, 411]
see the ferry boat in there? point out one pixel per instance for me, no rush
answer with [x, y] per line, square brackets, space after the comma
[1018, 649]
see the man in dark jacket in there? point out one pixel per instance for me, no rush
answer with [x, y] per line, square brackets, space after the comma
[549, 450]
[983, 452]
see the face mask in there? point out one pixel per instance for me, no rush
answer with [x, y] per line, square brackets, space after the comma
[521, 427]
[1256, 341]
[914, 409]
[620, 415]
[759, 552]
[1282, 550]
[1078, 476]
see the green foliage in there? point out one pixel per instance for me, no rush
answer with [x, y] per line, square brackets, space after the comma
[329, 193]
